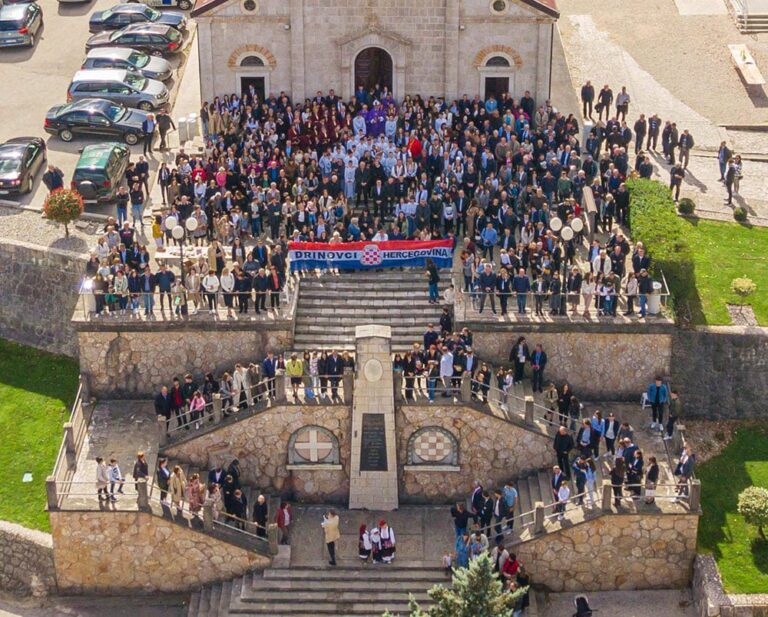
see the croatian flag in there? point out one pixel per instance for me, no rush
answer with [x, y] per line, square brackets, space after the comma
[369, 255]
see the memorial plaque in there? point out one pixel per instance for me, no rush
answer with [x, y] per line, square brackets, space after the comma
[373, 445]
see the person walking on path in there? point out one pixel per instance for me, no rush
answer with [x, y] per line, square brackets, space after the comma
[284, 520]
[658, 396]
[148, 127]
[730, 178]
[330, 526]
[102, 479]
[587, 98]
[433, 278]
[53, 179]
[164, 124]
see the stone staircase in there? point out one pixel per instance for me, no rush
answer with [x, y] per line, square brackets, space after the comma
[367, 591]
[330, 306]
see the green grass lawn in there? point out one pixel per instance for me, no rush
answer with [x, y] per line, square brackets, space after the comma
[36, 393]
[723, 252]
[741, 554]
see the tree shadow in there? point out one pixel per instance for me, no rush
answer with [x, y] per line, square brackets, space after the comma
[73, 243]
[760, 554]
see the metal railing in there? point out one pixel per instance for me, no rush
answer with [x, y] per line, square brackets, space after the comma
[185, 304]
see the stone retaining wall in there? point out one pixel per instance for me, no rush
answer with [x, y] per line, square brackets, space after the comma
[260, 443]
[490, 450]
[26, 561]
[134, 362]
[119, 552]
[39, 292]
[637, 552]
[599, 363]
[722, 372]
[710, 598]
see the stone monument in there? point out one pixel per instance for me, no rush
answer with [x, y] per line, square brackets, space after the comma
[373, 473]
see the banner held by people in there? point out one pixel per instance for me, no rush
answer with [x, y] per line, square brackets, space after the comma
[368, 255]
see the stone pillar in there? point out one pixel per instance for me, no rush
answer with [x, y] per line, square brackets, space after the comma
[694, 495]
[397, 379]
[529, 410]
[272, 538]
[280, 386]
[51, 493]
[162, 430]
[373, 472]
[347, 384]
[538, 517]
[677, 438]
[208, 517]
[217, 411]
[543, 61]
[451, 50]
[466, 388]
[607, 496]
[143, 496]
[298, 83]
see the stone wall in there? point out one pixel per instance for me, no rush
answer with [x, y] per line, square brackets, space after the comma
[599, 363]
[119, 552]
[39, 292]
[710, 599]
[722, 372]
[490, 450]
[26, 561]
[614, 552]
[260, 443]
[136, 360]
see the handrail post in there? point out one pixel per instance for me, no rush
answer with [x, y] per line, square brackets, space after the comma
[466, 388]
[217, 411]
[397, 380]
[607, 496]
[69, 438]
[162, 430]
[143, 494]
[51, 494]
[208, 517]
[347, 384]
[538, 518]
[272, 538]
[677, 437]
[694, 495]
[280, 386]
[529, 410]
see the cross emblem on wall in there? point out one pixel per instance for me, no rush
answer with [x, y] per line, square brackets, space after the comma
[313, 445]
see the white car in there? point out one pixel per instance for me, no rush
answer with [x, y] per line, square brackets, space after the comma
[128, 59]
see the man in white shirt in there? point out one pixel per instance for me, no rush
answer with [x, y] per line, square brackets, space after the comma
[446, 371]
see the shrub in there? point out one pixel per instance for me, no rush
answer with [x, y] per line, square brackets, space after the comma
[753, 506]
[654, 221]
[63, 206]
[686, 206]
[740, 214]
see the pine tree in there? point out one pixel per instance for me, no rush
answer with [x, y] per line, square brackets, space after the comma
[476, 592]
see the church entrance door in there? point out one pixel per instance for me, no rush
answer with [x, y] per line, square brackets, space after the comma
[256, 82]
[373, 66]
[496, 86]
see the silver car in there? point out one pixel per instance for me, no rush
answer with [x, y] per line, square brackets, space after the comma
[120, 86]
[19, 24]
[129, 59]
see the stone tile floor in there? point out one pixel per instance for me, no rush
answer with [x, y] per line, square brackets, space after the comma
[651, 603]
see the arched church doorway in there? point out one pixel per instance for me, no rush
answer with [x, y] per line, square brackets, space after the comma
[373, 66]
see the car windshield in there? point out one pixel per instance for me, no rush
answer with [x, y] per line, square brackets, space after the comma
[136, 81]
[9, 162]
[115, 112]
[173, 34]
[138, 59]
[91, 175]
[10, 26]
[152, 14]
[107, 14]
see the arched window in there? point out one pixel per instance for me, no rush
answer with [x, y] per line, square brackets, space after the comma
[313, 445]
[433, 445]
[497, 61]
[252, 61]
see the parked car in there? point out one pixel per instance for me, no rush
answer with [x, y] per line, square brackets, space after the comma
[120, 86]
[122, 15]
[95, 117]
[19, 24]
[21, 158]
[184, 5]
[129, 59]
[155, 39]
[100, 170]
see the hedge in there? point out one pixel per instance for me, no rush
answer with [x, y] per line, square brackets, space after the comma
[654, 221]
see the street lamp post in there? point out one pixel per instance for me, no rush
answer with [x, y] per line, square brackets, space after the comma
[566, 232]
[177, 231]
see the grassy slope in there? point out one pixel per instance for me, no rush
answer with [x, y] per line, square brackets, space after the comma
[741, 555]
[723, 252]
[36, 393]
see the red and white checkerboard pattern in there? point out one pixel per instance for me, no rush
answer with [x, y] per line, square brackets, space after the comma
[371, 256]
[432, 447]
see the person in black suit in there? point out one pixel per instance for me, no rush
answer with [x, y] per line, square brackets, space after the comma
[335, 369]
[587, 98]
[486, 512]
[504, 289]
[216, 475]
[538, 363]
[477, 501]
[558, 477]
[163, 406]
[163, 477]
[563, 445]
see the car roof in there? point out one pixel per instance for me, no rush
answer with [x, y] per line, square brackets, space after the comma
[100, 75]
[90, 104]
[8, 150]
[96, 155]
[111, 52]
[128, 8]
[147, 27]
[13, 12]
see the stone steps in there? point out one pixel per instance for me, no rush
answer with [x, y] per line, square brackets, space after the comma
[301, 592]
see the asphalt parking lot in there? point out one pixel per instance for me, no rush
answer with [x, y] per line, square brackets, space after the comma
[36, 79]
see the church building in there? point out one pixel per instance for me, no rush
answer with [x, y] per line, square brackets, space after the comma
[429, 47]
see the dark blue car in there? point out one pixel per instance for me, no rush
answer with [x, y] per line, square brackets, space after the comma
[122, 15]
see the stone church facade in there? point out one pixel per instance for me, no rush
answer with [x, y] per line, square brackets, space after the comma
[427, 47]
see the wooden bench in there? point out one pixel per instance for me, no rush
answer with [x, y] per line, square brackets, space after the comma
[746, 65]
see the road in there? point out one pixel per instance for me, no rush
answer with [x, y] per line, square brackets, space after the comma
[38, 78]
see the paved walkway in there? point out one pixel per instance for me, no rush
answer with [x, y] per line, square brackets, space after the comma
[604, 46]
[652, 603]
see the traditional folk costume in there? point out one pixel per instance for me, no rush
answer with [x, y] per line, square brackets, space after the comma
[387, 542]
[364, 544]
[375, 538]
